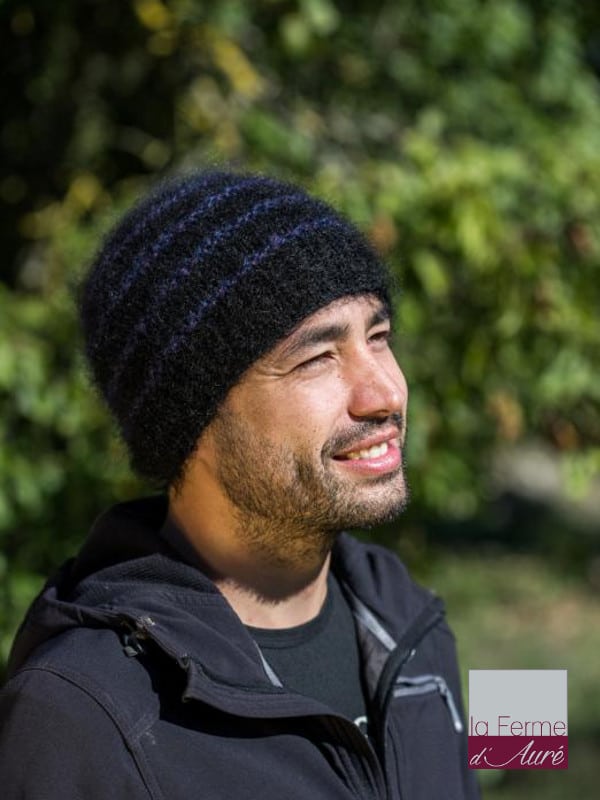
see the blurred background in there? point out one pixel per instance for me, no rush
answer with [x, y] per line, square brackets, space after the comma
[464, 137]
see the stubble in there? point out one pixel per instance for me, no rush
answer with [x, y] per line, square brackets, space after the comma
[290, 506]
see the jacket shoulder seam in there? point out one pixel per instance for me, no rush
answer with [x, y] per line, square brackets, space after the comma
[129, 734]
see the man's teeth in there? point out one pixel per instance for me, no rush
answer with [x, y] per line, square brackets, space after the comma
[371, 452]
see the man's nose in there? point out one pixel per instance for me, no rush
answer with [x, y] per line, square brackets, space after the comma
[377, 389]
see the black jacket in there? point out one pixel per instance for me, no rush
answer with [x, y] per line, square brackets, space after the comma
[133, 678]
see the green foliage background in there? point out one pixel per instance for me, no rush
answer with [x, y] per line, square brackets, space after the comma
[462, 135]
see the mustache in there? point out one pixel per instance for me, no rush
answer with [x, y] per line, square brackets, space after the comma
[349, 437]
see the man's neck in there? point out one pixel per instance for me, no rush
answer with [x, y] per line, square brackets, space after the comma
[264, 591]
[295, 609]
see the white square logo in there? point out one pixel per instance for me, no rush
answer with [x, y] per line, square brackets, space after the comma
[518, 719]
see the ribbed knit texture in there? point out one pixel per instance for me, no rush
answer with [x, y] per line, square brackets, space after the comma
[199, 280]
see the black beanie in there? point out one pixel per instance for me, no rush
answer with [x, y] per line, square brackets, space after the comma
[197, 282]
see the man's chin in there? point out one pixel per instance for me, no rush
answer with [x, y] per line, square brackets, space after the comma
[377, 510]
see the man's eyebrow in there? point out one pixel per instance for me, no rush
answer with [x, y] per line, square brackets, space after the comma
[381, 314]
[328, 333]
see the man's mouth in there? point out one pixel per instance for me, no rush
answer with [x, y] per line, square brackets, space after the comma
[374, 456]
[370, 452]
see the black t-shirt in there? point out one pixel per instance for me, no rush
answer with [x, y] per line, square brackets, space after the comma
[320, 659]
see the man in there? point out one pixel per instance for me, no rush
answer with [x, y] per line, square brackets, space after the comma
[225, 639]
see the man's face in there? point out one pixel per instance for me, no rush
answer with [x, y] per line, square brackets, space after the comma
[311, 437]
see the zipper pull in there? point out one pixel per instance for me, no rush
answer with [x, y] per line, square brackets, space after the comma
[132, 645]
[446, 693]
[135, 631]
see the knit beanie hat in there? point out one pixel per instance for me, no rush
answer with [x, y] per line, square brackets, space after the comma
[197, 282]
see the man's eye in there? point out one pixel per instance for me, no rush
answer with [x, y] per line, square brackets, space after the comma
[381, 336]
[314, 361]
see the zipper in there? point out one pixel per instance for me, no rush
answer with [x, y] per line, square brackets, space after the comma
[397, 660]
[426, 684]
[404, 651]
[370, 779]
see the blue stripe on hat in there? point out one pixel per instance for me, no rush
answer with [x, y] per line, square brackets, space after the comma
[276, 242]
[145, 259]
[202, 251]
[182, 193]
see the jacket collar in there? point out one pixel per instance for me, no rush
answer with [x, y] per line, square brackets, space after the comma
[127, 577]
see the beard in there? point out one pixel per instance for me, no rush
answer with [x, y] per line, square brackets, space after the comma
[290, 505]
